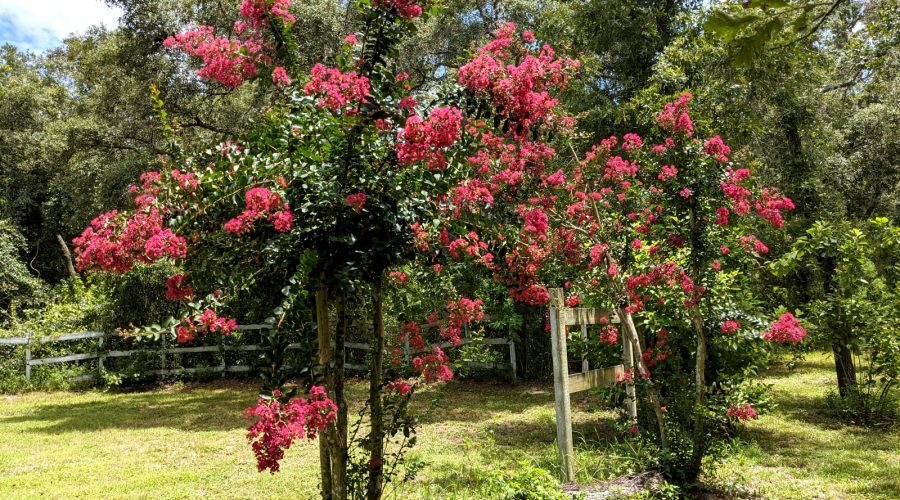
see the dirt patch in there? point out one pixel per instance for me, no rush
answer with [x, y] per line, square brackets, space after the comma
[620, 487]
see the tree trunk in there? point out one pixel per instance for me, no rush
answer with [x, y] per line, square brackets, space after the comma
[324, 341]
[375, 486]
[66, 255]
[700, 398]
[844, 367]
[339, 450]
[631, 335]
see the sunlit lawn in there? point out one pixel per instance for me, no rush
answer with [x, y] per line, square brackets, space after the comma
[799, 452]
[188, 441]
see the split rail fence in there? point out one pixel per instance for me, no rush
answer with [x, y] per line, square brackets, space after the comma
[102, 355]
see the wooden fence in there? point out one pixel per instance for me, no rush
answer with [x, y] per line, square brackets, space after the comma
[102, 355]
[565, 384]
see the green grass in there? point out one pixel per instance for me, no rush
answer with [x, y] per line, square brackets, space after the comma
[188, 441]
[798, 451]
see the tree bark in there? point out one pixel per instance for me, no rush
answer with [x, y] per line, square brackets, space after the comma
[339, 450]
[844, 367]
[67, 256]
[700, 399]
[375, 486]
[324, 341]
[631, 335]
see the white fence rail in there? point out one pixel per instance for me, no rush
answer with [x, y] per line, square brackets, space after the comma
[101, 355]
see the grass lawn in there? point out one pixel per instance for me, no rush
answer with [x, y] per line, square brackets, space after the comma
[188, 441]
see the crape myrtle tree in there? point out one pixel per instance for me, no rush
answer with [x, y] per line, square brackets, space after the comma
[348, 174]
[315, 200]
[663, 233]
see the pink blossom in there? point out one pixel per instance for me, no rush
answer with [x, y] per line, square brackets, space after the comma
[407, 9]
[786, 330]
[730, 326]
[716, 148]
[282, 220]
[667, 172]
[351, 38]
[433, 366]
[743, 412]
[338, 90]
[230, 62]
[398, 278]
[175, 290]
[280, 77]
[425, 139]
[278, 425]
[631, 141]
[356, 201]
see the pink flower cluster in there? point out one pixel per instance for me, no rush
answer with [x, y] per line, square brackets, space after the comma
[337, 90]
[229, 62]
[669, 275]
[208, 322]
[398, 278]
[176, 289]
[411, 333]
[730, 326]
[717, 148]
[279, 424]
[425, 139]
[261, 203]
[516, 80]
[407, 9]
[743, 412]
[356, 201]
[461, 312]
[787, 330]
[280, 77]
[771, 204]
[257, 13]
[398, 386]
[114, 242]
[675, 116]
[659, 352]
[433, 366]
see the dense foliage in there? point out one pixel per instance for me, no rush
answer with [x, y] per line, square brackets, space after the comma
[322, 165]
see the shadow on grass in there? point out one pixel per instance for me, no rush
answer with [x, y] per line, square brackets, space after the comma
[473, 402]
[847, 457]
[217, 407]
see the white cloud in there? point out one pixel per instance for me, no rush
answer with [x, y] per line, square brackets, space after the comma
[41, 24]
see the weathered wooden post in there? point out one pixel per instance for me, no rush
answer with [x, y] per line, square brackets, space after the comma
[564, 384]
[28, 355]
[561, 385]
[512, 359]
[100, 356]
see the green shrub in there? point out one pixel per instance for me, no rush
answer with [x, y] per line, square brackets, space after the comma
[865, 405]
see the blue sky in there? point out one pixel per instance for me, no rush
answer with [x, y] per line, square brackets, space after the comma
[38, 25]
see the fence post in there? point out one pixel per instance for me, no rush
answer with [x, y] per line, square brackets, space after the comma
[100, 356]
[28, 355]
[224, 366]
[512, 358]
[561, 385]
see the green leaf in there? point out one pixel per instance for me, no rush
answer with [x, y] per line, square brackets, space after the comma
[763, 4]
[726, 25]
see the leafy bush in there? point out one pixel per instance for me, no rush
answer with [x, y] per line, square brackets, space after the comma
[867, 405]
[527, 482]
